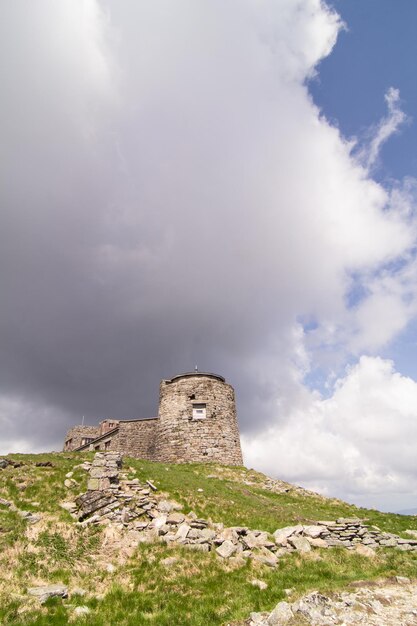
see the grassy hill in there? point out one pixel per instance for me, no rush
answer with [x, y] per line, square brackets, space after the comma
[120, 582]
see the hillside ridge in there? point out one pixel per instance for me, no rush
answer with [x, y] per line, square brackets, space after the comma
[119, 573]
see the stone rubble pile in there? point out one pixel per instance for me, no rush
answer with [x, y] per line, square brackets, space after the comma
[135, 507]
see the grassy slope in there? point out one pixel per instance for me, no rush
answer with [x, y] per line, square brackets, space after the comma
[199, 589]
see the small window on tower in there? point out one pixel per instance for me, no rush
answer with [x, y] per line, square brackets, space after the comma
[199, 411]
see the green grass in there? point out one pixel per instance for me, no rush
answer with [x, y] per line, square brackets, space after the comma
[43, 486]
[199, 589]
[237, 504]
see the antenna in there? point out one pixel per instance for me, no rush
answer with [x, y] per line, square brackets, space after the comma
[82, 423]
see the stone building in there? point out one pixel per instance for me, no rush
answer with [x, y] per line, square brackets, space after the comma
[196, 423]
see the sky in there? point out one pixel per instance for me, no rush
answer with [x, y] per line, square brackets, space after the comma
[227, 184]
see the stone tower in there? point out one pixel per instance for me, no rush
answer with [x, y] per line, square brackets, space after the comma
[197, 420]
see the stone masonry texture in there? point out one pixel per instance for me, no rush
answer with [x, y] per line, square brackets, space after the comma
[182, 438]
[177, 435]
[75, 436]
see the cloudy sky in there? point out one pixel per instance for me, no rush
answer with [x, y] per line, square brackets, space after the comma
[228, 184]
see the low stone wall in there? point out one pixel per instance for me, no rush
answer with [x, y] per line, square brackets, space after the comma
[344, 532]
[139, 509]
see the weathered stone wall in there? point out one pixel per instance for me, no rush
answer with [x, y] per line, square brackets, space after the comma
[132, 437]
[75, 436]
[137, 438]
[107, 425]
[183, 439]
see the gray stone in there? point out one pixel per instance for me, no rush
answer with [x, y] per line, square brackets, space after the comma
[265, 558]
[312, 531]
[164, 506]
[281, 615]
[48, 591]
[200, 547]
[169, 561]
[182, 531]
[80, 611]
[226, 549]
[402, 580]
[365, 551]
[68, 506]
[300, 543]
[175, 518]
[281, 535]
[207, 534]
[259, 583]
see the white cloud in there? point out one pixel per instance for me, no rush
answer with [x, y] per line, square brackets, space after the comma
[359, 443]
[387, 127]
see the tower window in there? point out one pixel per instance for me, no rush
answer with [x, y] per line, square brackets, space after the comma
[199, 411]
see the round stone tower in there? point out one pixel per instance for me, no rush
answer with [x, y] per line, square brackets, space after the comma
[197, 420]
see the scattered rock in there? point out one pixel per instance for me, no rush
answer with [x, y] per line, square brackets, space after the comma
[78, 591]
[48, 591]
[259, 583]
[257, 618]
[80, 611]
[169, 561]
[402, 580]
[71, 507]
[31, 518]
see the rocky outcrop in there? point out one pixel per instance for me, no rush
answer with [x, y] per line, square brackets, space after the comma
[387, 603]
